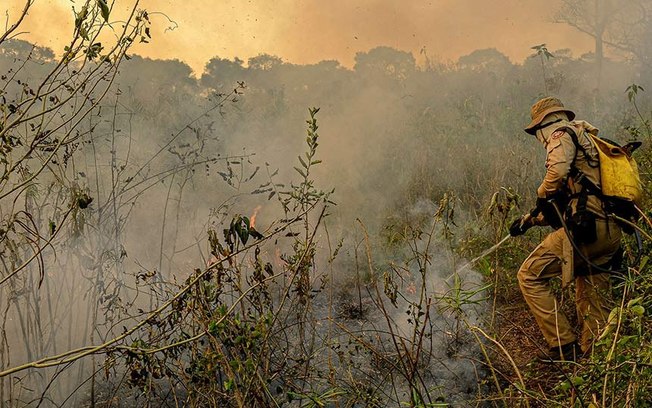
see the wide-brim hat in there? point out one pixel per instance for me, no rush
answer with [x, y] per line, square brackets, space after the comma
[544, 107]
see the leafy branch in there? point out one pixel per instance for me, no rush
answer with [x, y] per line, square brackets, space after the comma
[542, 52]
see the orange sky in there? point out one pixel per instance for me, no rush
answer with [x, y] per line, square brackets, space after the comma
[308, 31]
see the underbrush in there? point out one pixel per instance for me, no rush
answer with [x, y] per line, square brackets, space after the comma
[272, 321]
[617, 371]
[290, 316]
[285, 317]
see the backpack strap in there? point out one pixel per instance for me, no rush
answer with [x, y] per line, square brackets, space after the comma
[577, 175]
[579, 148]
[610, 205]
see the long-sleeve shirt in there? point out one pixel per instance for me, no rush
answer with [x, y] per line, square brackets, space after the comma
[561, 152]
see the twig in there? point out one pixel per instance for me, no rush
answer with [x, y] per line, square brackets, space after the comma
[509, 357]
[76, 354]
[28, 4]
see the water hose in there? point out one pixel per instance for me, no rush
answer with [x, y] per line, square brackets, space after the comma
[482, 255]
[524, 220]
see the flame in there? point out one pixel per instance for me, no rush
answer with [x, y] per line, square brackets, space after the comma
[252, 219]
[213, 259]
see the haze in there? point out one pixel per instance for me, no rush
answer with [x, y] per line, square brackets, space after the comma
[380, 146]
[310, 31]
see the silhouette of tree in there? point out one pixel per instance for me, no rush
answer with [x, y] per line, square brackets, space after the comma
[222, 73]
[486, 59]
[264, 62]
[385, 62]
[611, 23]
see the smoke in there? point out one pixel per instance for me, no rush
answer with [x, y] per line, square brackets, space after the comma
[444, 29]
[437, 305]
[394, 136]
[311, 31]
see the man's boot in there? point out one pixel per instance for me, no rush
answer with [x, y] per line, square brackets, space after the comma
[567, 352]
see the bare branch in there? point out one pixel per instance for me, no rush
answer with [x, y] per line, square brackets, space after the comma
[28, 4]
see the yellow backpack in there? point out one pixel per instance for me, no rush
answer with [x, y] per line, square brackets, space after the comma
[620, 189]
[619, 176]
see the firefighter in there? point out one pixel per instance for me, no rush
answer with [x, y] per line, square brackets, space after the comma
[570, 156]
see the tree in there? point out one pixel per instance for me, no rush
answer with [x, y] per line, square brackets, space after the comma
[222, 73]
[612, 23]
[591, 17]
[41, 119]
[16, 48]
[385, 62]
[264, 62]
[541, 51]
[631, 32]
[485, 59]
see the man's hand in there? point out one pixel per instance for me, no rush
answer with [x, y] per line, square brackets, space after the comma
[548, 210]
[543, 205]
[520, 225]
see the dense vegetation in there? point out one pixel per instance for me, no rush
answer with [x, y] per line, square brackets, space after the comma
[167, 240]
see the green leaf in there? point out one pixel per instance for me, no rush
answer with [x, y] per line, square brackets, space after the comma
[634, 302]
[303, 163]
[632, 91]
[565, 386]
[613, 316]
[243, 233]
[81, 16]
[638, 310]
[104, 9]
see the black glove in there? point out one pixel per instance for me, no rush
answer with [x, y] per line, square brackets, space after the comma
[519, 227]
[541, 205]
[534, 213]
[545, 206]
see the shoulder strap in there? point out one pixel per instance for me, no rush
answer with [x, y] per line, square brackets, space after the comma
[578, 148]
[578, 175]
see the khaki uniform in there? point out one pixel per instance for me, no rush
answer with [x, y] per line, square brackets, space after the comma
[555, 255]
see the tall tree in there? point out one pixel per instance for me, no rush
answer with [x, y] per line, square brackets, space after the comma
[621, 25]
[385, 63]
[592, 17]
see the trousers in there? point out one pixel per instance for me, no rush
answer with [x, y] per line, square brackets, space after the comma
[591, 289]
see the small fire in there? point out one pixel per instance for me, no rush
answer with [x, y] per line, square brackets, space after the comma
[412, 288]
[252, 219]
[213, 259]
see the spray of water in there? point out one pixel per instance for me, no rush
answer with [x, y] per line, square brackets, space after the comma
[483, 254]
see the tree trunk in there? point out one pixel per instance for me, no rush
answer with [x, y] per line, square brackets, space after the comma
[600, 23]
[599, 58]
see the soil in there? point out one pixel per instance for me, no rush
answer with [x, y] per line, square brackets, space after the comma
[517, 331]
